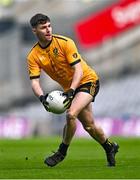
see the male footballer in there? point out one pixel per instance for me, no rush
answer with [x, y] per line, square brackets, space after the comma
[58, 57]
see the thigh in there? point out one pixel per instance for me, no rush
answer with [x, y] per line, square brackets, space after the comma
[80, 101]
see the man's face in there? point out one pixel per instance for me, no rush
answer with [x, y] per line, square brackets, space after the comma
[43, 32]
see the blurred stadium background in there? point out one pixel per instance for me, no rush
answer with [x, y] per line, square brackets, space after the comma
[107, 33]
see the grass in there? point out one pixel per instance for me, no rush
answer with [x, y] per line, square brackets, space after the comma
[23, 159]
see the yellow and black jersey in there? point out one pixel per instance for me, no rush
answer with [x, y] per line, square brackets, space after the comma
[57, 60]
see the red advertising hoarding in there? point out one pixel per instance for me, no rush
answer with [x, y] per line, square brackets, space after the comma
[108, 23]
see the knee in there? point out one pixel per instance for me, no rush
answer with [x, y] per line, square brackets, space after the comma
[71, 116]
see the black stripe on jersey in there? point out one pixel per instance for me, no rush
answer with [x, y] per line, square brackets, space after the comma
[60, 37]
[75, 62]
[34, 77]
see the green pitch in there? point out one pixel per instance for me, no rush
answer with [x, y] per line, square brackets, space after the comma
[23, 159]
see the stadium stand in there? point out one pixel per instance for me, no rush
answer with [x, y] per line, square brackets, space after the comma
[119, 97]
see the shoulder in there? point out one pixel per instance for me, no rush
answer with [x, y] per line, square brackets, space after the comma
[32, 51]
[60, 37]
[64, 41]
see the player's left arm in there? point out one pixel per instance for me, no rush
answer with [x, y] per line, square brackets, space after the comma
[77, 76]
[74, 59]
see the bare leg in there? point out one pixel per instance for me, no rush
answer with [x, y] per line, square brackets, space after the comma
[81, 108]
[87, 120]
[79, 102]
[69, 129]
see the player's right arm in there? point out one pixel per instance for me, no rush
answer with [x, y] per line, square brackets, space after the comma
[34, 73]
[36, 87]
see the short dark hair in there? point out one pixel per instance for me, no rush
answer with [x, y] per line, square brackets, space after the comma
[39, 19]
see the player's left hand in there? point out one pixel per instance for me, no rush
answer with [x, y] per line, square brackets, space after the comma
[69, 97]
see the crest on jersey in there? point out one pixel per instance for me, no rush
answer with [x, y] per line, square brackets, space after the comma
[75, 55]
[55, 51]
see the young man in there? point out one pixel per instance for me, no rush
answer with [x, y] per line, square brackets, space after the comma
[58, 57]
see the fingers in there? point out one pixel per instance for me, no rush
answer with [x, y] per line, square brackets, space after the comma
[67, 104]
[67, 99]
[46, 105]
[46, 96]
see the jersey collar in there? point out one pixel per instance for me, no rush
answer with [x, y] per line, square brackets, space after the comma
[45, 46]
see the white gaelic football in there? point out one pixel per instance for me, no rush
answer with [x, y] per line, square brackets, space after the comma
[55, 100]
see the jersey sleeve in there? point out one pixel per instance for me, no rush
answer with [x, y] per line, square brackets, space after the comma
[72, 55]
[33, 68]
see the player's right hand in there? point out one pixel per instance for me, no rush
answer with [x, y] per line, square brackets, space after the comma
[44, 102]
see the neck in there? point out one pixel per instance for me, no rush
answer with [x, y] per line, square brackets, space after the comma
[44, 44]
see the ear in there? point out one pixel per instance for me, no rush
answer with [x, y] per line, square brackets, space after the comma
[34, 30]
